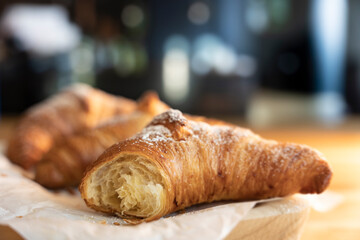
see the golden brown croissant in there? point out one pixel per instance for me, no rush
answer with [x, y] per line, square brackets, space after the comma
[74, 109]
[66, 161]
[175, 163]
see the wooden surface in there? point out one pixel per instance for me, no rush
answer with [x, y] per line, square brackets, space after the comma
[276, 220]
[341, 146]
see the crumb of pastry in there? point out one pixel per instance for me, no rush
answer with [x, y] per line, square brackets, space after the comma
[130, 186]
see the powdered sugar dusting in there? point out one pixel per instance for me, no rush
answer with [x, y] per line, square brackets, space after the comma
[225, 134]
[154, 133]
[170, 116]
[158, 132]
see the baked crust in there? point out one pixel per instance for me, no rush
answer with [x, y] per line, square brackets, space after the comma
[197, 163]
[66, 161]
[74, 109]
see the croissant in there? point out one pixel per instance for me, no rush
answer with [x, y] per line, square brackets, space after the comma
[174, 163]
[66, 161]
[74, 109]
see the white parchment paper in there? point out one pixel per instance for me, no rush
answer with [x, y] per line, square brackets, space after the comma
[36, 213]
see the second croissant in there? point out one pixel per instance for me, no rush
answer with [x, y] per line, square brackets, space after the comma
[66, 161]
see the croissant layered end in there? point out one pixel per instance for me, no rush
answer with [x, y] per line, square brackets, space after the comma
[131, 186]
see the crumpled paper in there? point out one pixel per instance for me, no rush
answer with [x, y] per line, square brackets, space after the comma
[37, 213]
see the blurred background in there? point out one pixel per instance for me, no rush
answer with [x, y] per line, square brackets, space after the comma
[271, 62]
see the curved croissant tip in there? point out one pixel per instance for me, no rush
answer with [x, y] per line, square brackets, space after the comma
[25, 158]
[321, 179]
[150, 94]
[150, 102]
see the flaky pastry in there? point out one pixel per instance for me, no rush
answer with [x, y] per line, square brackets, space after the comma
[175, 162]
[63, 165]
[74, 109]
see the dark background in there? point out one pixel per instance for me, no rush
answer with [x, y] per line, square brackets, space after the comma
[217, 55]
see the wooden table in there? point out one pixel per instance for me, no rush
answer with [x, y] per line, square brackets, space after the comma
[341, 146]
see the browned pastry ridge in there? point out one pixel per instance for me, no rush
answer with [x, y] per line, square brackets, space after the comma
[66, 161]
[72, 110]
[174, 163]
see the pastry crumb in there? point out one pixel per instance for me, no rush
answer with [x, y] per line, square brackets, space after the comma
[3, 175]
[116, 223]
[19, 216]
[102, 222]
